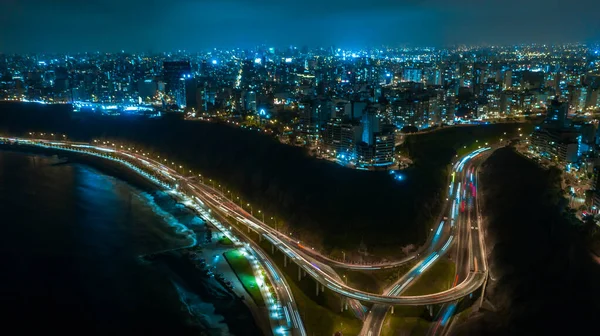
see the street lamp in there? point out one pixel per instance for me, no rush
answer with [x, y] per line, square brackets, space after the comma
[263, 215]
[251, 210]
[275, 223]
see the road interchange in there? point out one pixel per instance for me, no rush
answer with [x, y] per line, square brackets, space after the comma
[316, 264]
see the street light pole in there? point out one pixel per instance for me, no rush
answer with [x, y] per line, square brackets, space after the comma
[275, 223]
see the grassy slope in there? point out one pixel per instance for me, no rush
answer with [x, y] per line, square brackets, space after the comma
[437, 278]
[398, 325]
[375, 281]
[411, 320]
[242, 268]
[321, 321]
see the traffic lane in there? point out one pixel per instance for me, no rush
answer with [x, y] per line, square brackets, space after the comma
[294, 244]
[411, 300]
[294, 324]
[377, 315]
[445, 315]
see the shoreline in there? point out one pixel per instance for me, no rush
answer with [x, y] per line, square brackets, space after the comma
[104, 166]
[228, 311]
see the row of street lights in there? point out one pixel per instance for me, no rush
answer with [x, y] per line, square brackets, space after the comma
[182, 170]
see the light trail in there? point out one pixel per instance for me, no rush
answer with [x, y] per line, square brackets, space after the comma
[471, 283]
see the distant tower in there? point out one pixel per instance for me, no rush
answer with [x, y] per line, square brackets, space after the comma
[557, 114]
[370, 125]
[173, 73]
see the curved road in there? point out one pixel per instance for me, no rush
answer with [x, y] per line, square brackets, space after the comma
[206, 196]
[457, 225]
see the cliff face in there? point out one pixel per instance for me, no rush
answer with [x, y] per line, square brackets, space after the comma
[322, 203]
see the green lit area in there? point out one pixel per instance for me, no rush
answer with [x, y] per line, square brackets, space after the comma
[243, 269]
[225, 241]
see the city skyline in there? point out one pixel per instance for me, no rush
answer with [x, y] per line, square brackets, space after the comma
[135, 26]
[342, 105]
[282, 168]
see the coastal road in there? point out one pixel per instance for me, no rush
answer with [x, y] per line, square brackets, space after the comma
[283, 314]
[205, 196]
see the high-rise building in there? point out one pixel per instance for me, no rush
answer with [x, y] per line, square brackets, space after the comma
[250, 101]
[380, 153]
[533, 80]
[435, 77]
[370, 125]
[314, 117]
[591, 99]
[508, 77]
[338, 138]
[179, 93]
[412, 75]
[559, 144]
[383, 147]
[147, 88]
[557, 114]
[173, 71]
[175, 74]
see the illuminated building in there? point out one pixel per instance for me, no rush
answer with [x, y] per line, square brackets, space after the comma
[338, 138]
[147, 88]
[412, 75]
[370, 125]
[314, 116]
[379, 151]
[250, 101]
[174, 75]
[556, 144]
[556, 115]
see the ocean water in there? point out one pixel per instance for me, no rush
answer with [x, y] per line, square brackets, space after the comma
[70, 241]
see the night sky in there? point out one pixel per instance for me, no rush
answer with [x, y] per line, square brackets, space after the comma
[152, 25]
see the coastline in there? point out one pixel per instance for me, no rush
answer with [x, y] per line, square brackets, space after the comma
[235, 313]
[104, 166]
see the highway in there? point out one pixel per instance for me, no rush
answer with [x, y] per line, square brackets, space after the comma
[453, 233]
[206, 196]
[284, 316]
[469, 252]
[296, 254]
[230, 207]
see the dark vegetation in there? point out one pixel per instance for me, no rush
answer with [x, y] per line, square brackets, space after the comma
[316, 198]
[320, 202]
[546, 282]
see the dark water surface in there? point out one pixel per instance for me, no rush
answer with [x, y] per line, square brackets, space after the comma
[70, 238]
